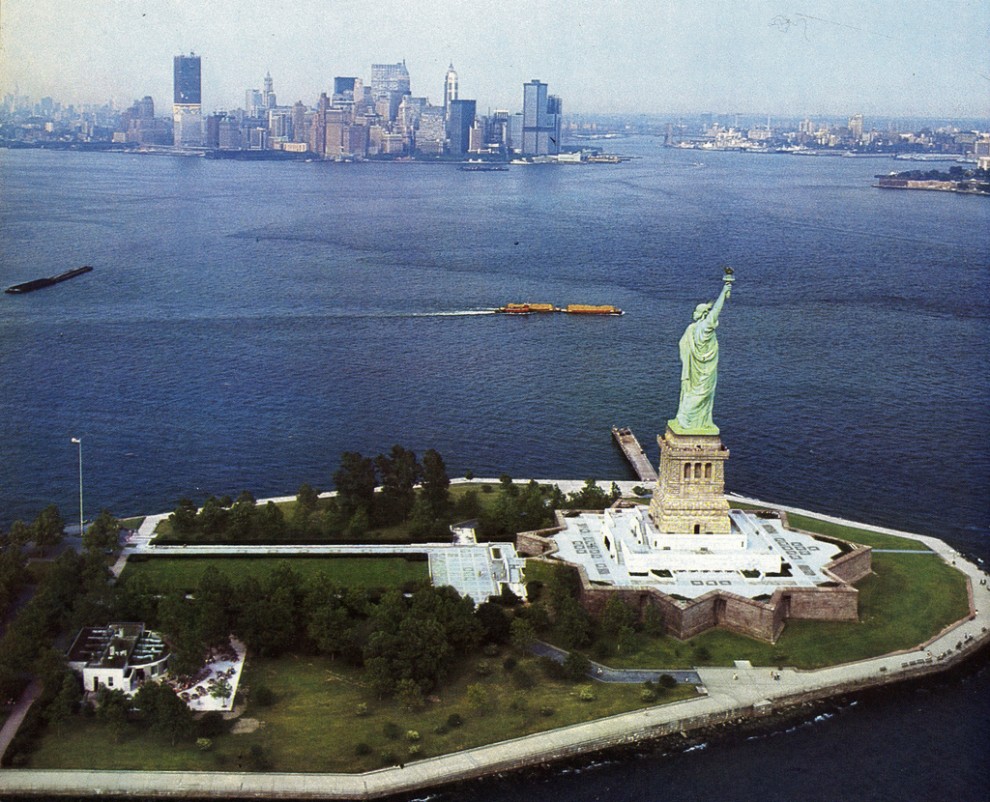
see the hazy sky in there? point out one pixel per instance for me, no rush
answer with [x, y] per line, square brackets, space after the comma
[838, 57]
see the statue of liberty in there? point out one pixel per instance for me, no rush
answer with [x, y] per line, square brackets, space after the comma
[699, 367]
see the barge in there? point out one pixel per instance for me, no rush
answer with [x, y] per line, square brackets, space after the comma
[39, 283]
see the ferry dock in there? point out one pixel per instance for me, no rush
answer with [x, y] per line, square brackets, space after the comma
[634, 453]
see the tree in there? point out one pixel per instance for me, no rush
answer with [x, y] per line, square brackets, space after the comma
[112, 706]
[307, 500]
[399, 472]
[436, 485]
[64, 705]
[590, 497]
[48, 528]
[103, 535]
[522, 634]
[167, 715]
[494, 622]
[355, 482]
[616, 615]
[212, 517]
[183, 519]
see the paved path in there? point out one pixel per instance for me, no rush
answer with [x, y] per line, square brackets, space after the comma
[628, 676]
[21, 707]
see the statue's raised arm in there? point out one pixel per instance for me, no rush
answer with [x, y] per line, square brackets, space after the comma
[699, 366]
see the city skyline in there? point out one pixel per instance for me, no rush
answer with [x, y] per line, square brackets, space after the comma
[838, 57]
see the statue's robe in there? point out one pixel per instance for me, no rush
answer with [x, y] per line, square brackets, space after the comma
[699, 368]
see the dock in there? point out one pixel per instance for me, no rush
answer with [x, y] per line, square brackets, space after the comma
[634, 453]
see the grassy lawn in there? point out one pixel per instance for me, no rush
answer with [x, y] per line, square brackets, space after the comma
[315, 723]
[908, 599]
[132, 523]
[183, 573]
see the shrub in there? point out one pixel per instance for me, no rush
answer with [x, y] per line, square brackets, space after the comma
[414, 750]
[586, 694]
[522, 679]
[441, 729]
[455, 720]
[648, 695]
[204, 744]
[519, 704]
[667, 681]
[491, 650]
[576, 666]
[551, 668]
[264, 696]
[509, 663]
[361, 709]
[412, 735]
[483, 668]
[211, 725]
[391, 730]
[362, 749]
[546, 711]
[388, 758]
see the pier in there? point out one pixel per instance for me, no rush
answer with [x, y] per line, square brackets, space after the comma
[634, 453]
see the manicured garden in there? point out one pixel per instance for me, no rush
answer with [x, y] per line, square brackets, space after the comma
[184, 573]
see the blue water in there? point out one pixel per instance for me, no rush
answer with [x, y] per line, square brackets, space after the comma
[246, 323]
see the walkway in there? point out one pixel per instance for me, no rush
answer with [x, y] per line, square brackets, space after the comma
[634, 453]
[626, 676]
[21, 707]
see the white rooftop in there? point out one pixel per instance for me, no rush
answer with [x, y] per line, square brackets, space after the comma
[621, 547]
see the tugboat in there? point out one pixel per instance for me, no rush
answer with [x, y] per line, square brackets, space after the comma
[39, 283]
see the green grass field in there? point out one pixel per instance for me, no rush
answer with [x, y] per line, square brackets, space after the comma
[183, 573]
[315, 724]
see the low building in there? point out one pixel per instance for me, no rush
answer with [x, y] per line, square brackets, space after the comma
[119, 656]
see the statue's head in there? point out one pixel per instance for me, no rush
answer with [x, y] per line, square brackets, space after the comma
[701, 310]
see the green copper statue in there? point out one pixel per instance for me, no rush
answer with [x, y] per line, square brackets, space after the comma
[699, 367]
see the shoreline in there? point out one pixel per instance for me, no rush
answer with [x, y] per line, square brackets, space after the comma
[733, 701]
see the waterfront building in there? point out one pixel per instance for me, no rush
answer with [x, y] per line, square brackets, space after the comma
[187, 102]
[431, 134]
[459, 127]
[299, 115]
[541, 124]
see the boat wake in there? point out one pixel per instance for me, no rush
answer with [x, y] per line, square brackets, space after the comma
[460, 313]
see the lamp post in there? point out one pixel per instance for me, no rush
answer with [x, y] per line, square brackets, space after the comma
[78, 442]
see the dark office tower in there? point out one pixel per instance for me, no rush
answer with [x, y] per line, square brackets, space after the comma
[187, 83]
[459, 126]
[541, 120]
[187, 109]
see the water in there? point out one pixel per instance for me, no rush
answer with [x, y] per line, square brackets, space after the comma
[246, 323]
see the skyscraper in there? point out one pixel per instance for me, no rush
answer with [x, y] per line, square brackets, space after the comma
[187, 108]
[541, 120]
[389, 82]
[449, 90]
[459, 126]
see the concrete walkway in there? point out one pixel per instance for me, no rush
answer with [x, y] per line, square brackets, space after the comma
[16, 717]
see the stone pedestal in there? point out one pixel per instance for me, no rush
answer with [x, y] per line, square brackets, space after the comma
[690, 492]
